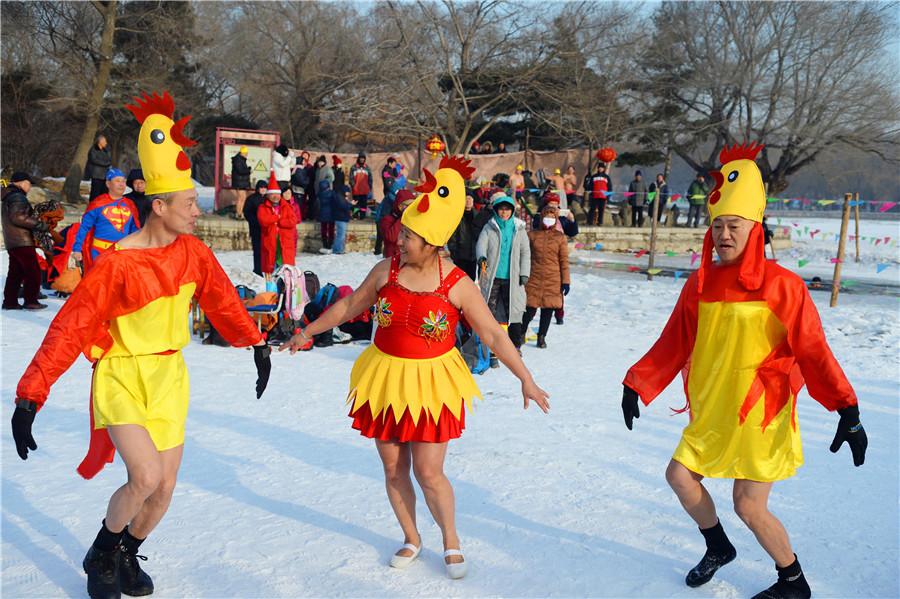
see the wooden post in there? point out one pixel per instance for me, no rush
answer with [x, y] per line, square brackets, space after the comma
[856, 217]
[653, 223]
[419, 158]
[527, 140]
[845, 221]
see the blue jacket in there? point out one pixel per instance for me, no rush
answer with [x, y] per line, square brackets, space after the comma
[326, 204]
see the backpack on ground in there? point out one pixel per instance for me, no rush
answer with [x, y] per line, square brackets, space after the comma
[312, 283]
[475, 353]
[296, 297]
[326, 296]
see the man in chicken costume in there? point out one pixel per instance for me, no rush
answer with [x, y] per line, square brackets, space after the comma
[410, 388]
[747, 336]
[129, 317]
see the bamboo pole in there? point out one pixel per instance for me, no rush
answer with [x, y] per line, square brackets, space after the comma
[856, 217]
[419, 158]
[845, 221]
[653, 224]
[527, 141]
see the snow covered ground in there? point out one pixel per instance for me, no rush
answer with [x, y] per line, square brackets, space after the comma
[278, 497]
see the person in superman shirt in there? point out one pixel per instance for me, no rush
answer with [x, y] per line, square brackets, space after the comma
[107, 219]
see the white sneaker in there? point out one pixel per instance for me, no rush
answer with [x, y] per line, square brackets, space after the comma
[403, 561]
[339, 336]
[455, 571]
[324, 251]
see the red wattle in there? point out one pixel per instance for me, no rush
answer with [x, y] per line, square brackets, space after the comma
[714, 197]
[423, 204]
[183, 163]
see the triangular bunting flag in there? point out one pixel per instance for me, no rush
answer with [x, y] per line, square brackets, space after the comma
[879, 268]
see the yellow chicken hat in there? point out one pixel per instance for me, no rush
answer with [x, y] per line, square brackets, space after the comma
[739, 191]
[436, 213]
[161, 144]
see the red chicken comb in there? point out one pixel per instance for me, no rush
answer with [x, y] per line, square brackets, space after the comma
[154, 104]
[459, 164]
[177, 133]
[746, 151]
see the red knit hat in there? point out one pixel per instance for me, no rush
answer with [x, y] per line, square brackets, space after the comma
[335, 160]
[273, 184]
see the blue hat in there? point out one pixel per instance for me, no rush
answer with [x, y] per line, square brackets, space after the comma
[113, 172]
[501, 198]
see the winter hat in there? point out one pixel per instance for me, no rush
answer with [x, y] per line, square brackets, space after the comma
[404, 195]
[335, 160]
[261, 185]
[273, 187]
[436, 213]
[243, 151]
[638, 174]
[19, 176]
[556, 171]
[134, 174]
[361, 155]
[113, 172]
[161, 144]
[739, 191]
[501, 198]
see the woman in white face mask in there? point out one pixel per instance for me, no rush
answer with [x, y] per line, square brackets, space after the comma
[549, 280]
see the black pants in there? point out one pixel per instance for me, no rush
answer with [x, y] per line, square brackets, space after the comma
[598, 205]
[23, 268]
[637, 216]
[546, 316]
[98, 187]
[695, 215]
[379, 239]
[498, 301]
[470, 267]
[256, 244]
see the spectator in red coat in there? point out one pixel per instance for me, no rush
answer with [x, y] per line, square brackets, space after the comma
[278, 229]
[390, 224]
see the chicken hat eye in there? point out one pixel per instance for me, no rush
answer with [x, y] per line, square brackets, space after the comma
[732, 176]
[443, 192]
[157, 136]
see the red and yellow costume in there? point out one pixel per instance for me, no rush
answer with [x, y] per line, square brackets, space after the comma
[129, 317]
[129, 314]
[412, 383]
[746, 337]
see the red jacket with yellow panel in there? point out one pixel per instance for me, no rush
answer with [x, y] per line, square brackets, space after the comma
[747, 337]
[135, 302]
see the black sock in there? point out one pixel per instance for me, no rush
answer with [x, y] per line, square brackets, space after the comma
[130, 543]
[716, 539]
[791, 572]
[106, 539]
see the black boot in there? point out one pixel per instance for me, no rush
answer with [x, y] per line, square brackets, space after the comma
[541, 342]
[719, 551]
[791, 584]
[102, 569]
[133, 581]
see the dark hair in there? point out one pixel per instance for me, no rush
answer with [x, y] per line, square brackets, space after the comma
[282, 149]
[322, 158]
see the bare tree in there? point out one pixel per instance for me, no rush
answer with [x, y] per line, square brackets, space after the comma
[798, 76]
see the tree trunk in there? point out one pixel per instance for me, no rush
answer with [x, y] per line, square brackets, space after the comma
[72, 185]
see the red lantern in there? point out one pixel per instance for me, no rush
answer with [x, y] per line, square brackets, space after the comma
[435, 145]
[606, 155]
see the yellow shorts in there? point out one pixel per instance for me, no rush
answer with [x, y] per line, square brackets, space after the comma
[151, 391]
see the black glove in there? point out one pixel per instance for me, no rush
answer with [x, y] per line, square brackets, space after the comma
[630, 407]
[850, 429]
[263, 361]
[523, 280]
[21, 427]
[565, 289]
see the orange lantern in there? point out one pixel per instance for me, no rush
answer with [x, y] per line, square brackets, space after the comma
[435, 145]
[606, 155]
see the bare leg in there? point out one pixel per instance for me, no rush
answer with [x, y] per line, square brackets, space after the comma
[428, 465]
[396, 459]
[145, 468]
[751, 500]
[239, 206]
[157, 504]
[694, 497]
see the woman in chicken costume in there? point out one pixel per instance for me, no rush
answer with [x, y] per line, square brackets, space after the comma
[129, 317]
[409, 390]
[747, 337]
